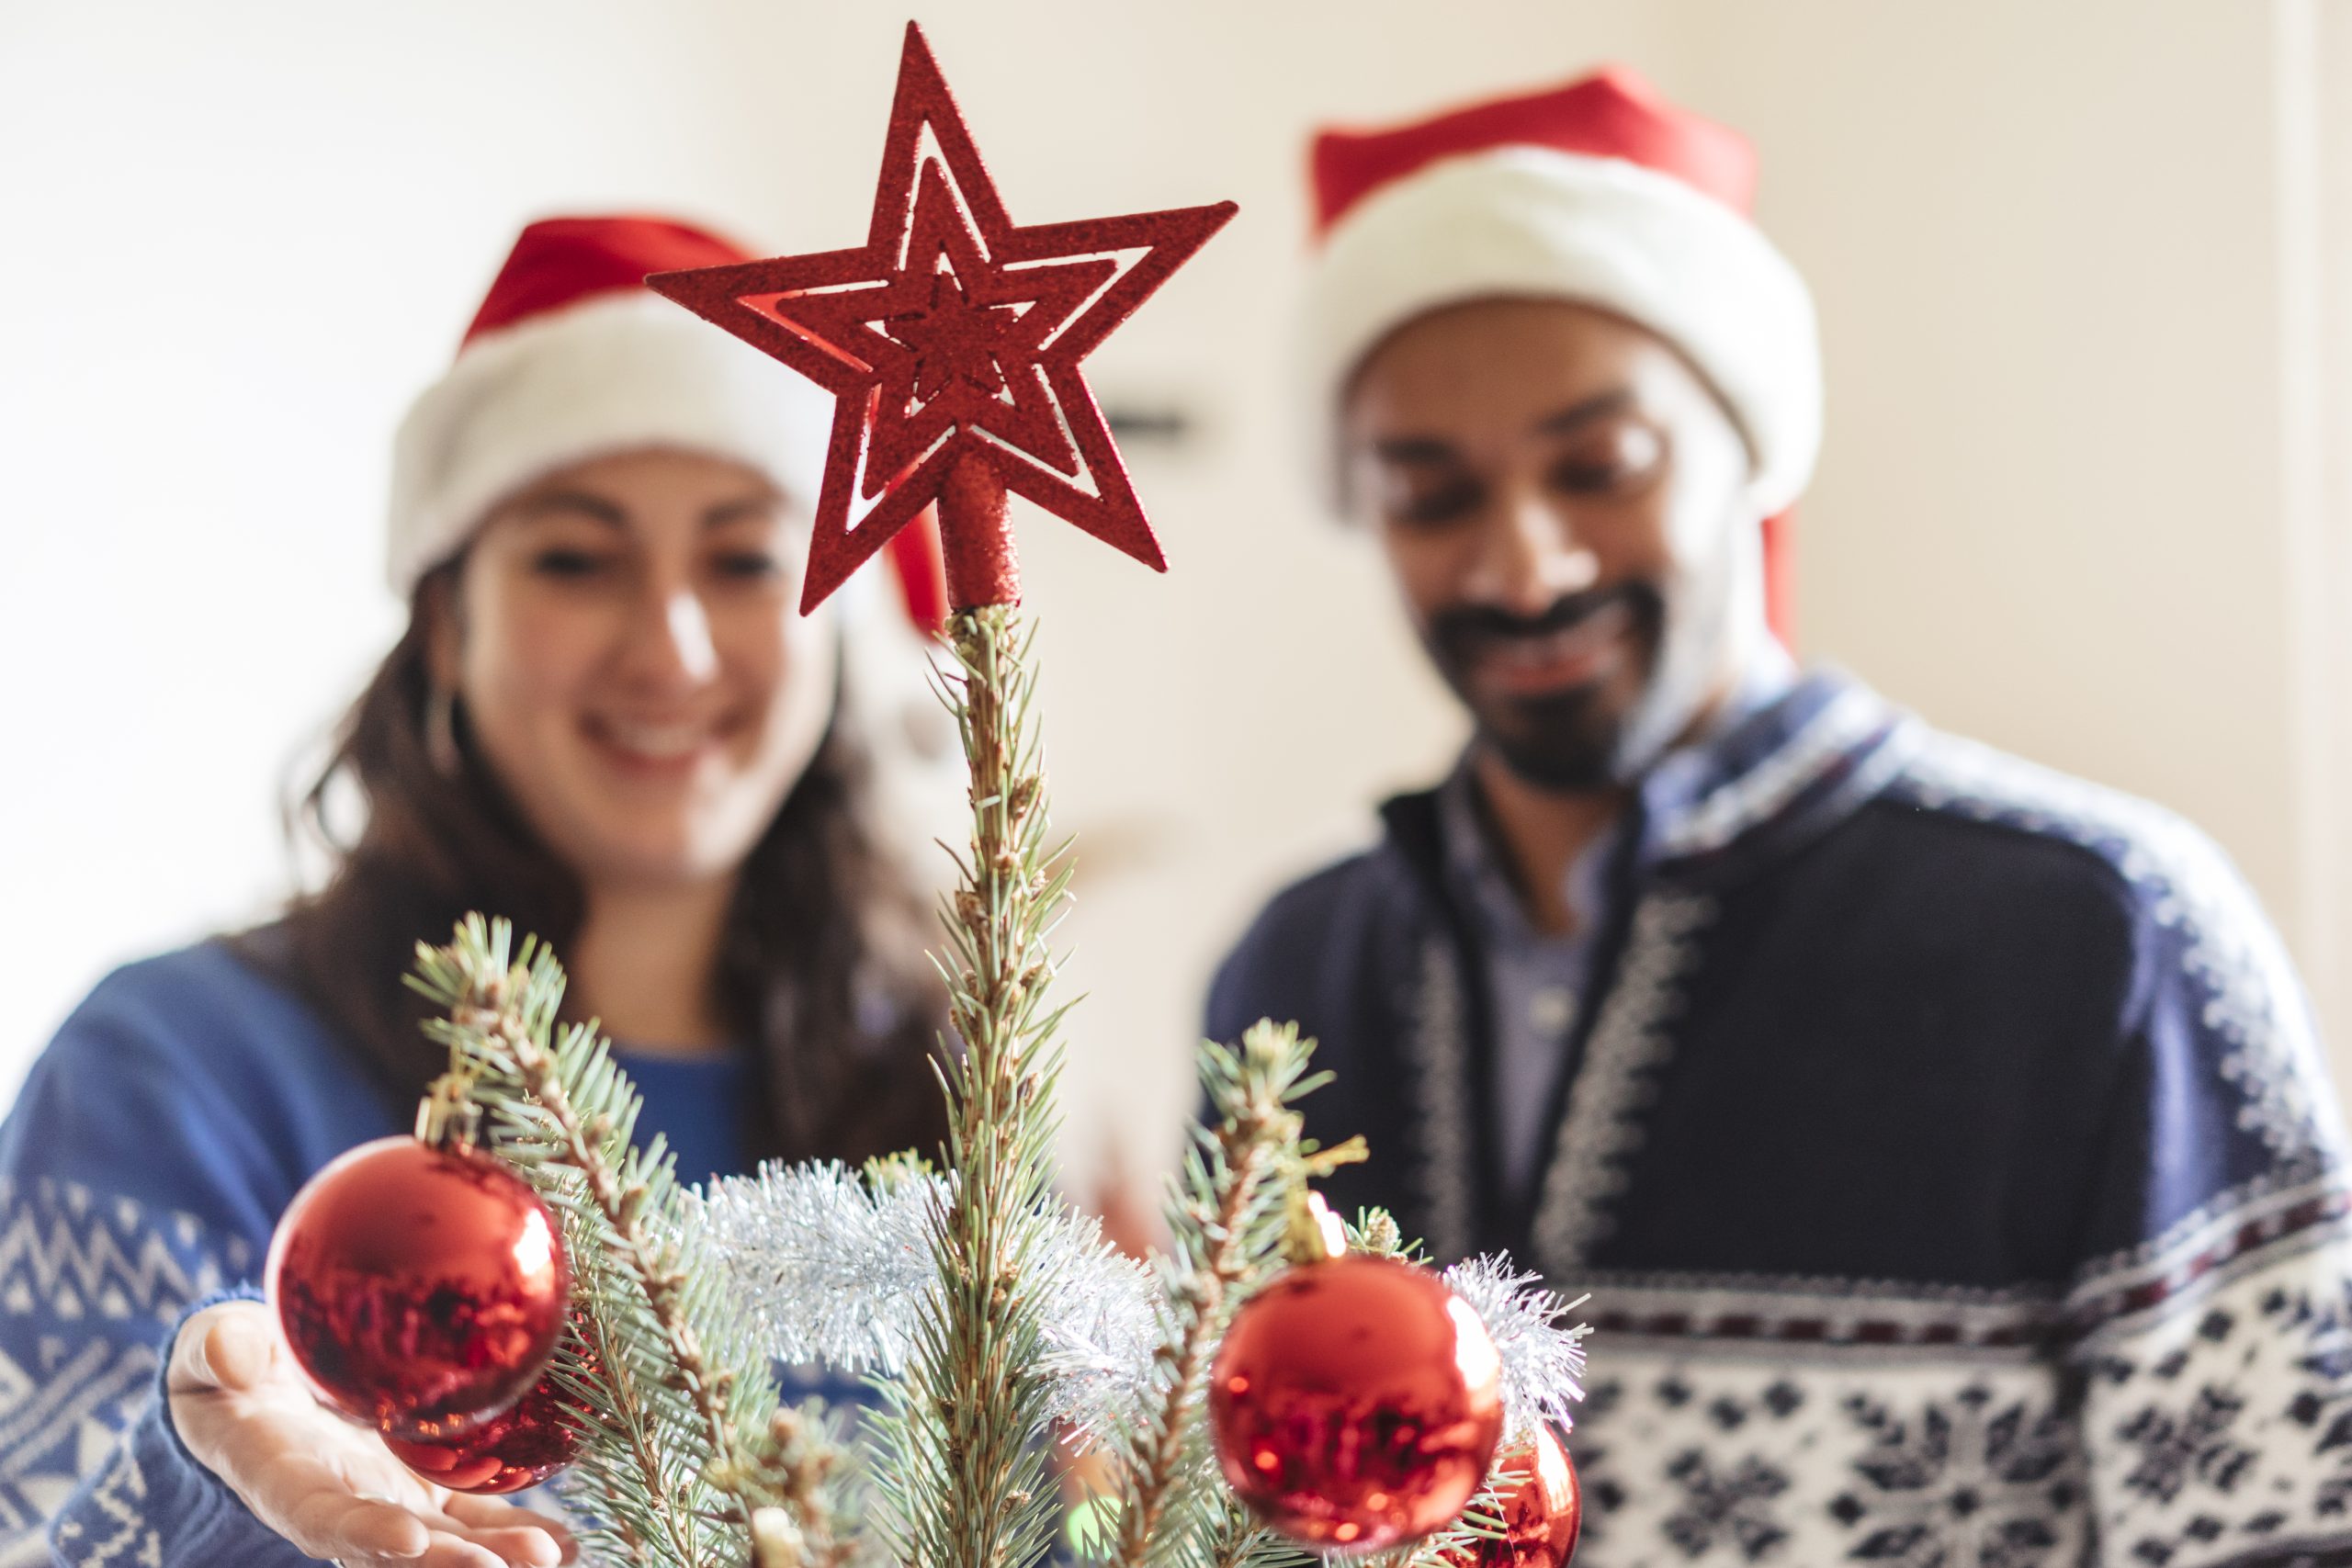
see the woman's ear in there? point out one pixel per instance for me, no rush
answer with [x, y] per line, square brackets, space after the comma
[438, 609]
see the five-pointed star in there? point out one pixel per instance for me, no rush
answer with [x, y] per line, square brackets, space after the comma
[953, 332]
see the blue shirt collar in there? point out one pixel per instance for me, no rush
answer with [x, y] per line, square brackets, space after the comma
[1669, 791]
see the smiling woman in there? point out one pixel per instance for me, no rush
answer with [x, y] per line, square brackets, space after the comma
[605, 720]
[622, 645]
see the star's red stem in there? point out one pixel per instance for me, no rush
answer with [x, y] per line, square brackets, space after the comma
[976, 536]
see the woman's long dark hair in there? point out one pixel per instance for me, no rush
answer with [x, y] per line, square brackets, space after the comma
[821, 966]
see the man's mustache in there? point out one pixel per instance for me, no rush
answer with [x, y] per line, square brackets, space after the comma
[1464, 630]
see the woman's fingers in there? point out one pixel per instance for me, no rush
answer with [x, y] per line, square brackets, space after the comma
[353, 1502]
[442, 1552]
[353, 1529]
[524, 1545]
[349, 1530]
[482, 1514]
[454, 1552]
[333, 1523]
[307, 1503]
[232, 1346]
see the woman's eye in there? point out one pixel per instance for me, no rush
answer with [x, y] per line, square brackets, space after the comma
[748, 566]
[559, 562]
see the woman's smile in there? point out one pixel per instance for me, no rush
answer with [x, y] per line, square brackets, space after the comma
[660, 748]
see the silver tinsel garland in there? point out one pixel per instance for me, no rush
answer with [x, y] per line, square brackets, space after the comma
[830, 1268]
[1542, 1354]
[834, 1269]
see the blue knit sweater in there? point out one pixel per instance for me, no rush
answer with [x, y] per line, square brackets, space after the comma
[141, 1170]
[1945, 1147]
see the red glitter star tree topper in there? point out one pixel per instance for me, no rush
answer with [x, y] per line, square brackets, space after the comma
[952, 338]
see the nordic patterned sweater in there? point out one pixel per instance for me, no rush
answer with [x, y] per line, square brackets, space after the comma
[141, 1170]
[1944, 1143]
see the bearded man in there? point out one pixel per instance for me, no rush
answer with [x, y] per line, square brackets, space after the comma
[1943, 1141]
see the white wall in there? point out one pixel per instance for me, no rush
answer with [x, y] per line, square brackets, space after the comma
[2055, 510]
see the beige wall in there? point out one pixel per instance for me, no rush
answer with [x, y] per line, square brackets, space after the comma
[2314, 62]
[2046, 246]
[2059, 507]
[2076, 264]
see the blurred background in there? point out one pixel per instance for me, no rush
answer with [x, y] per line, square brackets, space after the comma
[2085, 273]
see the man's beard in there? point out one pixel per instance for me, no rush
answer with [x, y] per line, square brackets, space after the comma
[1570, 741]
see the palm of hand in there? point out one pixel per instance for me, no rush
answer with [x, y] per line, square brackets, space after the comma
[328, 1487]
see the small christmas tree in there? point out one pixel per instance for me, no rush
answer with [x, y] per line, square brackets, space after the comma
[995, 1320]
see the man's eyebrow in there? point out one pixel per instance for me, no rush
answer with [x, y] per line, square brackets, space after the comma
[1426, 450]
[1617, 400]
[578, 502]
[1413, 450]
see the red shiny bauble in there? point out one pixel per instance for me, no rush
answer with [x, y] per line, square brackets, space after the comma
[1542, 1507]
[522, 1445]
[421, 1290]
[1356, 1403]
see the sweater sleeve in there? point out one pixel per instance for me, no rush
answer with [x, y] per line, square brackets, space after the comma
[141, 1170]
[150, 1501]
[2213, 1312]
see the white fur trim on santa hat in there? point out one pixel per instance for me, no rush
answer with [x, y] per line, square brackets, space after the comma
[615, 372]
[1533, 222]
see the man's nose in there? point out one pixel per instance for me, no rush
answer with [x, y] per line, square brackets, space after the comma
[1530, 555]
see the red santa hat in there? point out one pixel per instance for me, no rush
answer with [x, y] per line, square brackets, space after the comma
[571, 358]
[1599, 191]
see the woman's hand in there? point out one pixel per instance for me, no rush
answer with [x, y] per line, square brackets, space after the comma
[331, 1488]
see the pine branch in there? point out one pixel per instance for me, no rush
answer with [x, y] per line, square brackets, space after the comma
[623, 1460]
[682, 1451]
[1152, 1471]
[647, 1505]
[1226, 1219]
[639, 1251]
[966, 1483]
